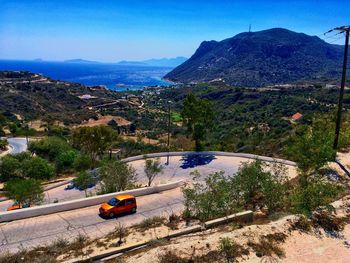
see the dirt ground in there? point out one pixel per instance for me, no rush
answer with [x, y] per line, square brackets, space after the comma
[103, 120]
[316, 246]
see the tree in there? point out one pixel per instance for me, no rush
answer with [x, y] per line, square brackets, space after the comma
[37, 168]
[65, 160]
[198, 116]
[312, 148]
[82, 162]
[3, 144]
[24, 191]
[152, 168]
[116, 176]
[49, 148]
[83, 181]
[93, 141]
[9, 168]
[258, 187]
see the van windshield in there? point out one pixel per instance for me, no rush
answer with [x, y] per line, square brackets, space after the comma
[113, 201]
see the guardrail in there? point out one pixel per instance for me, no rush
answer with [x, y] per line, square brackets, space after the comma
[216, 153]
[83, 202]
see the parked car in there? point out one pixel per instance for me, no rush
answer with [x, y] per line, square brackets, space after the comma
[16, 206]
[120, 204]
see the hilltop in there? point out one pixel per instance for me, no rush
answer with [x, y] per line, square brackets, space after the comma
[272, 56]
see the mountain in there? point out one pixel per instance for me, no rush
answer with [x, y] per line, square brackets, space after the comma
[78, 60]
[162, 62]
[260, 58]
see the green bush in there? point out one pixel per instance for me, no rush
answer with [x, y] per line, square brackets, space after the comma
[82, 162]
[65, 160]
[49, 148]
[3, 144]
[211, 198]
[311, 193]
[9, 168]
[24, 191]
[83, 181]
[116, 176]
[37, 168]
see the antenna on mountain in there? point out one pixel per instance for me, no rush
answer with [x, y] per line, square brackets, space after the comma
[346, 30]
[250, 27]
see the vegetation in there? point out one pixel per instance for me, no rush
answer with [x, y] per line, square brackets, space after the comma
[152, 169]
[24, 191]
[197, 115]
[116, 176]
[37, 168]
[25, 166]
[3, 144]
[84, 180]
[93, 141]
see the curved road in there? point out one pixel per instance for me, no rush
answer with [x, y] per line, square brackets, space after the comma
[45, 229]
[17, 145]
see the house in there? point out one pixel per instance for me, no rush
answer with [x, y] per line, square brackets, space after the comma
[297, 116]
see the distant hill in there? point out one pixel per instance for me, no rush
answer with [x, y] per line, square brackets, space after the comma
[33, 96]
[162, 62]
[259, 58]
[78, 60]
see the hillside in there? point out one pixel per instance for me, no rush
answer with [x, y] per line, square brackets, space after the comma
[260, 58]
[33, 96]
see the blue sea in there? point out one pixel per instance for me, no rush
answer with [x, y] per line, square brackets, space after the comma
[108, 74]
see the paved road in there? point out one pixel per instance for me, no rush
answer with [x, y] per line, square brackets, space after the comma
[38, 230]
[18, 145]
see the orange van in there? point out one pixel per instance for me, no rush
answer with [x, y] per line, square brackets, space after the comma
[120, 204]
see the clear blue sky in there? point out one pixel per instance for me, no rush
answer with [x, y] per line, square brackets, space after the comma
[112, 30]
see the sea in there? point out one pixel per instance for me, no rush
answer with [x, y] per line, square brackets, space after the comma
[113, 76]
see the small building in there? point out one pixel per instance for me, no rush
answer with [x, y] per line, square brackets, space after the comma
[297, 116]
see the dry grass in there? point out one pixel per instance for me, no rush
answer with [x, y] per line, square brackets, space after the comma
[150, 223]
[268, 245]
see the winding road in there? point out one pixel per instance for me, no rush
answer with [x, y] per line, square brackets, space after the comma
[69, 224]
[17, 145]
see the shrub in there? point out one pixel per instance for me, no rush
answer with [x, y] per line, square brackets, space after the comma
[3, 144]
[231, 250]
[65, 160]
[211, 198]
[311, 193]
[152, 168]
[24, 191]
[37, 168]
[49, 148]
[83, 181]
[148, 223]
[116, 176]
[9, 168]
[82, 162]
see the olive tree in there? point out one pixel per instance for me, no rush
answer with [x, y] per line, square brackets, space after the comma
[93, 141]
[116, 176]
[152, 169]
[24, 191]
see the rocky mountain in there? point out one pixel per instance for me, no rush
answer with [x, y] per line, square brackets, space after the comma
[261, 58]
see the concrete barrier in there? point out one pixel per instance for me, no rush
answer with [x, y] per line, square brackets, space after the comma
[79, 203]
[113, 253]
[216, 153]
[246, 216]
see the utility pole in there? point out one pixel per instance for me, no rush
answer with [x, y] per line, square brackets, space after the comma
[342, 29]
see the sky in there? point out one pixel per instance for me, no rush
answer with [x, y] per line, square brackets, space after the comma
[113, 30]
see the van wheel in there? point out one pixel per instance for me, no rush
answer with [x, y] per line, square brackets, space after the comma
[133, 211]
[111, 215]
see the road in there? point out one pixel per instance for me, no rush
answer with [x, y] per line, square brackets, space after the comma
[45, 229]
[17, 145]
